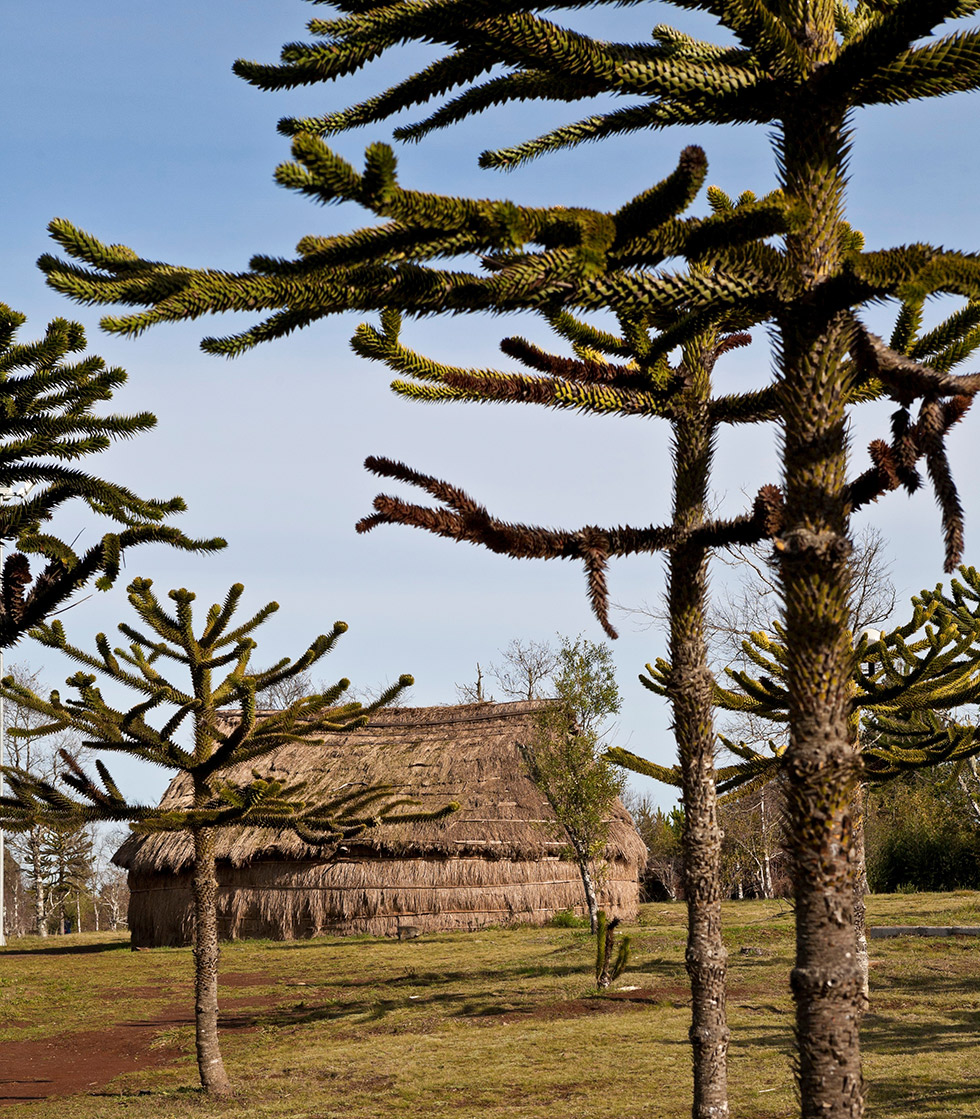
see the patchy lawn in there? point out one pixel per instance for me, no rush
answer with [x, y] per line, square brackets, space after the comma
[473, 1026]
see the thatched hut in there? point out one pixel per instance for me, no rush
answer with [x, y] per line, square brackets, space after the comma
[492, 863]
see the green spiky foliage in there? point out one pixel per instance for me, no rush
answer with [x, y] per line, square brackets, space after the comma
[800, 70]
[931, 670]
[930, 664]
[47, 424]
[210, 731]
[586, 259]
[899, 737]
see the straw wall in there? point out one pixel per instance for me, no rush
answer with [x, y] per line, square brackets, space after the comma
[286, 901]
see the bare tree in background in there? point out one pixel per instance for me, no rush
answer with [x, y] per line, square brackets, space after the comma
[526, 670]
[752, 601]
[281, 694]
[473, 693]
[109, 883]
[32, 848]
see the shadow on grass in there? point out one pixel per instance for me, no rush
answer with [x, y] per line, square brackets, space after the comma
[476, 1006]
[354, 1010]
[68, 949]
[886, 1034]
[934, 986]
[944, 1095]
[421, 978]
[583, 969]
[482, 1007]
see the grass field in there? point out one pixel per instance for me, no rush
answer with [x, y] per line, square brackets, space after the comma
[501, 1022]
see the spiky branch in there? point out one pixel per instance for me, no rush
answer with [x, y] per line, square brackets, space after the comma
[47, 424]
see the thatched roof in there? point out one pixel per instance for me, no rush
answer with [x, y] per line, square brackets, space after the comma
[468, 754]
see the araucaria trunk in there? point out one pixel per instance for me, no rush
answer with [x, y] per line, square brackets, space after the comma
[214, 1079]
[822, 759]
[691, 700]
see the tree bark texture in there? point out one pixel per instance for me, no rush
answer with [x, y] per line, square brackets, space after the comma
[588, 886]
[214, 1079]
[40, 921]
[822, 759]
[691, 701]
[861, 891]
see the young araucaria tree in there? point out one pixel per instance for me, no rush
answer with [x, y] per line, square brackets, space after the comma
[801, 70]
[197, 739]
[47, 424]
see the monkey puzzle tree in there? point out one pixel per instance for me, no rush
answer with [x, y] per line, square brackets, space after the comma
[798, 67]
[47, 424]
[215, 755]
[623, 373]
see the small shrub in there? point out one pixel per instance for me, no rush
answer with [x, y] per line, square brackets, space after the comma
[566, 919]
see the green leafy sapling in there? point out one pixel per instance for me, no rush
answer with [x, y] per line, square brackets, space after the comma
[564, 757]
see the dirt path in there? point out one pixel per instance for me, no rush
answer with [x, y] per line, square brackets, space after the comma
[75, 1063]
[84, 1063]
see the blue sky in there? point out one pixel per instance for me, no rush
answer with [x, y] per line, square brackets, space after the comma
[126, 119]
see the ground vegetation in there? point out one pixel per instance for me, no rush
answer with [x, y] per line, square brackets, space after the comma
[477, 1026]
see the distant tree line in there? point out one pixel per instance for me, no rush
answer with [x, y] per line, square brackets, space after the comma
[57, 879]
[922, 833]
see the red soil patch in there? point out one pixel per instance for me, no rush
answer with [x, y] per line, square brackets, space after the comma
[247, 979]
[680, 996]
[70, 1064]
[77, 1063]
